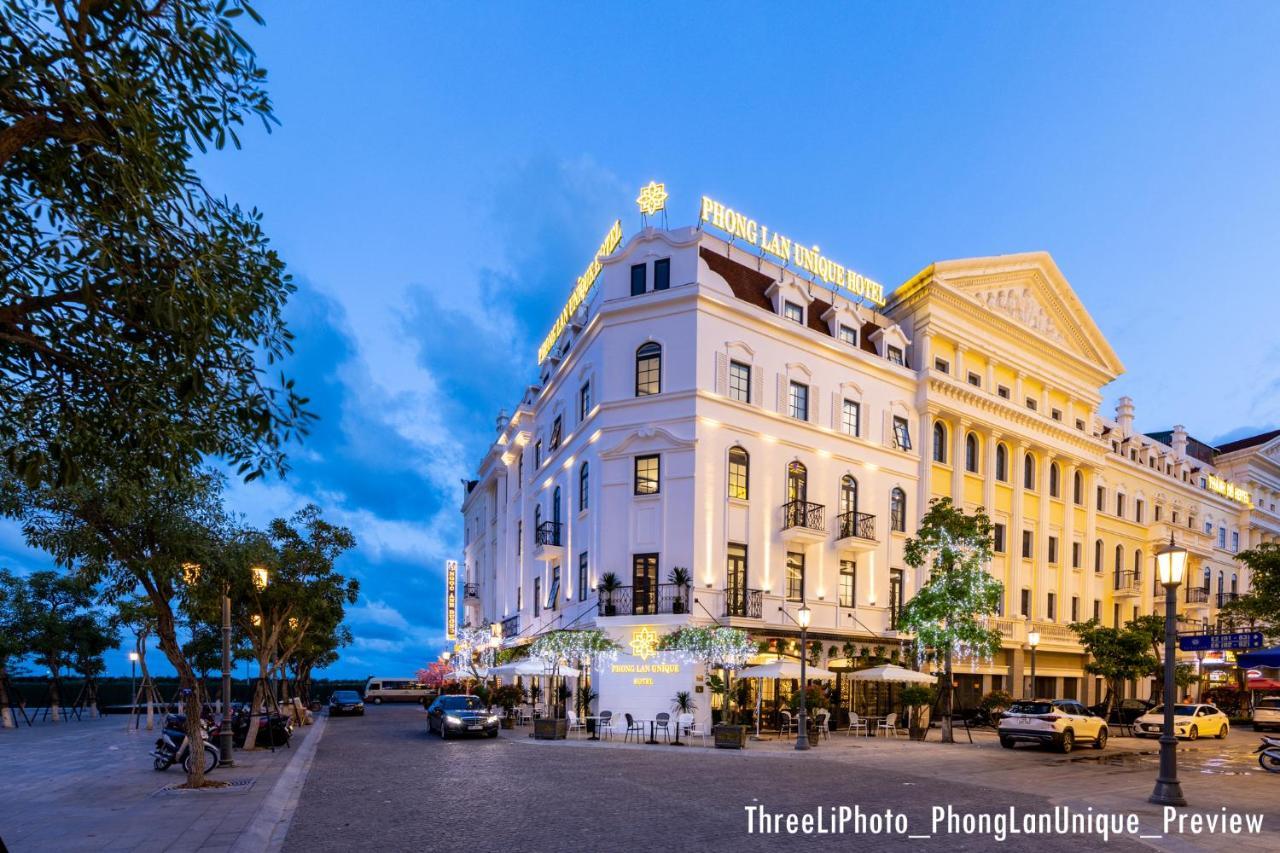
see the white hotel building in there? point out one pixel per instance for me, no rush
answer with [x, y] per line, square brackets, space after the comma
[707, 408]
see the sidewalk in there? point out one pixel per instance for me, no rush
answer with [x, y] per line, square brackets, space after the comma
[89, 785]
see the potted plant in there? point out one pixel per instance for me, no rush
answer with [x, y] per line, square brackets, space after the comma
[993, 706]
[814, 699]
[609, 583]
[585, 697]
[728, 733]
[679, 577]
[507, 697]
[917, 698]
[682, 703]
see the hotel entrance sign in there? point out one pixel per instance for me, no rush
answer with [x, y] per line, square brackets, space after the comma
[451, 600]
[581, 287]
[810, 259]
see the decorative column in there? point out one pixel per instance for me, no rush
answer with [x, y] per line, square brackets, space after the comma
[960, 427]
[1040, 562]
[1067, 545]
[1014, 543]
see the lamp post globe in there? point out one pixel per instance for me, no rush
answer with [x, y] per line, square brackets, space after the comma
[1171, 567]
[803, 615]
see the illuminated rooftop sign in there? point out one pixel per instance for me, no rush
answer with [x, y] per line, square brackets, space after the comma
[610, 242]
[810, 259]
[1228, 490]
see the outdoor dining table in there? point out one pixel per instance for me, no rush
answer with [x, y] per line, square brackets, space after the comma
[595, 731]
[653, 723]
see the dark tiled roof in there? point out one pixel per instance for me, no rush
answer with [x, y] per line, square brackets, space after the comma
[1196, 448]
[1251, 441]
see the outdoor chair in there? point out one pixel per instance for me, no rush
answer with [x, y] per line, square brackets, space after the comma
[784, 723]
[604, 725]
[632, 728]
[575, 724]
[690, 729]
[856, 724]
[889, 725]
[824, 723]
[662, 723]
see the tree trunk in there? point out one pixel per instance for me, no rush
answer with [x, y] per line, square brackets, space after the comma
[7, 718]
[257, 704]
[147, 686]
[948, 696]
[55, 701]
[167, 635]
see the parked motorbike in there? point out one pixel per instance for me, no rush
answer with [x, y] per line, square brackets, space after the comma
[273, 729]
[172, 745]
[1269, 754]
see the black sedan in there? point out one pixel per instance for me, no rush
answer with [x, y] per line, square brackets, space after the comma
[345, 702]
[457, 715]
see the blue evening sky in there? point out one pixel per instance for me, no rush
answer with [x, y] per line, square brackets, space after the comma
[444, 171]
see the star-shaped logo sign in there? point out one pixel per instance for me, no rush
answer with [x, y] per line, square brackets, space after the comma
[644, 643]
[652, 198]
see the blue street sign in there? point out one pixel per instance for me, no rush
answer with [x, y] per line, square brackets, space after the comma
[1219, 642]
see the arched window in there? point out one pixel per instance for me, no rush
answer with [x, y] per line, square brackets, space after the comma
[797, 482]
[1208, 579]
[1137, 564]
[971, 453]
[1234, 583]
[1219, 582]
[1054, 474]
[584, 483]
[939, 441]
[1097, 556]
[1077, 489]
[739, 473]
[848, 494]
[898, 510]
[1029, 472]
[555, 505]
[1119, 559]
[648, 369]
[1002, 463]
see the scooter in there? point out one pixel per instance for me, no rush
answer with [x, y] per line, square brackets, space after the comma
[172, 745]
[1269, 754]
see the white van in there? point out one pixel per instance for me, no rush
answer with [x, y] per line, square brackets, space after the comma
[379, 690]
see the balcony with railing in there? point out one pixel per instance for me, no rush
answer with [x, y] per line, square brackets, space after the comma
[510, 627]
[744, 603]
[1197, 595]
[1126, 583]
[547, 544]
[1227, 597]
[856, 530]
[803, 521]
[649, 600]
[471, 590]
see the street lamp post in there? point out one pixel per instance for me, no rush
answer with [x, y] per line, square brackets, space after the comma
[227, 747]
[1033, 640]
[1171, 565]
[133, 686]
[802, 619]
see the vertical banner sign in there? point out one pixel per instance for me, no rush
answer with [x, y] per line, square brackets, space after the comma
[451, 600]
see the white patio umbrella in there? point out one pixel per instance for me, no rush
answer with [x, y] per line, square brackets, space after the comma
[531, 666]
[466, 674]
[781, 668]
[893, 673]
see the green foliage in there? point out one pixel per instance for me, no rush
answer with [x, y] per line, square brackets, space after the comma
[996, 700]
[609, 582]
[13, 639]
[1259, 608]
[711, 645]
[570, 645]
[682, 702]
[141, 315]
[507, 696]
[814, 698]
[914, 695]
[679, 576]
[1116, 654]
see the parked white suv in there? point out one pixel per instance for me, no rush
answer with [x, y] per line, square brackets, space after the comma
[1189, 721]
[1266, 714]
[1060, 723]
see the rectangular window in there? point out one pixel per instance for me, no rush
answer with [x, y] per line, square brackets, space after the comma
[644, 584]
[1208, 528]
[1056, 414]
[537, 596]
[1222, 537]
[848, 583]
[1002, 391]
[799, 401]
[736, 575]
[1076, 554]
[557, 426]
[1159, 511]
[1080, 424]
[1028, 544]
[941, 365]
[1032, 404]
[901, 436]
[584, 401]
[537, 454]
[739, 382]
[895, 597]
[637, 279]
[519, 598]
[975, 380]
[738, 473]
[1075, 608]
[999, 537]
[649, 371]
[1097, 610]
[1138, 507]
[1235, 540]
[894, 354]
[647, 469]
[850, 417]
[793, 312]
[1051, 607]
[795, 576]
[553, 594]
[1115, 616]
[1053, 550]
[1026, 603]
[582, 576]
[849, 335]
[1120, 506]
[662, 274]
[1102, 499]
[519, 538]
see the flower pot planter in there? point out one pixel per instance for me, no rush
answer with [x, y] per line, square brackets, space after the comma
[549, 729]
[610, 610]
[508, 722]
[917, 732]
[731, 737]
[815, 736]
[591, 728]
[677, 607]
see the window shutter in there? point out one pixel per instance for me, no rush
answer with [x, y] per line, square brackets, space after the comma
[836, 411]
[722, 373]
[757, 386]
[782, 394]
[886, 427]
[815, 403]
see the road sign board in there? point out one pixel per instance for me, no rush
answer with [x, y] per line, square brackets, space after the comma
[1220, 642]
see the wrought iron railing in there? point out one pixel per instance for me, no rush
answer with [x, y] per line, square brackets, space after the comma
[804, 514]
[548, 533]
[471, 590]
[860, 525]
[644, 600]
[510, 627]
[1197, 595]
[1224, 597]
[747, 603]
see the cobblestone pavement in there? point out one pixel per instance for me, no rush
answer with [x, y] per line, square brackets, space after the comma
[89, 785]
[382, 783]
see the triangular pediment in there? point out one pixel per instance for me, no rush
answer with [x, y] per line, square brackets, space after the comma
[1030, 292]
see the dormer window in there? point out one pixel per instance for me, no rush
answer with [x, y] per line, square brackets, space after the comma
[849, 335]
[638, 274]
[793, 312]
[894, 354]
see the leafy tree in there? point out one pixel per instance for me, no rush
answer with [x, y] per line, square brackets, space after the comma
[1259, 608]
[948, 615]
[137, 615]
[1116, 654]
[135, 307]
[53, 604]
[13, 640]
